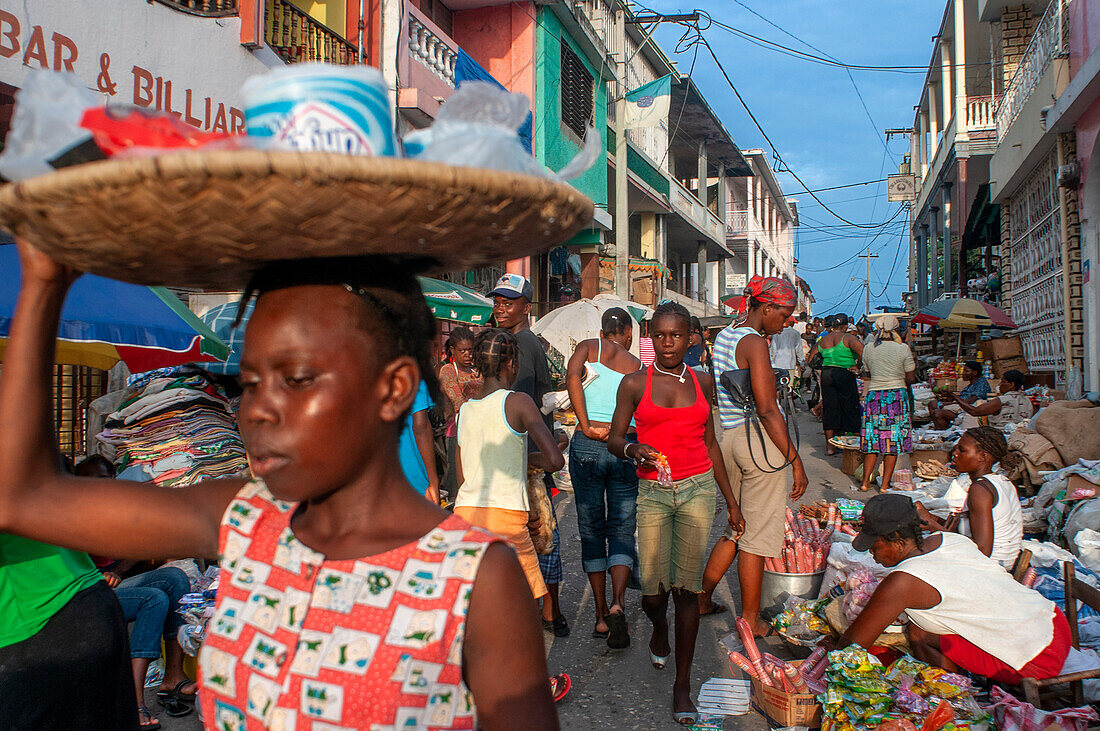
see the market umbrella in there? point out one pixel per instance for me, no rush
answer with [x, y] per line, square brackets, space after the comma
[104, 322]
[449, 301]
[566, 326]
[963, 312]
[734, 302]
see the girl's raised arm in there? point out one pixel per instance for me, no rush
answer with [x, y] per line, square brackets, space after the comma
[107, 517]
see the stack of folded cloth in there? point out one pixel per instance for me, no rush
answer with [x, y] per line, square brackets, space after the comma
[175, 432]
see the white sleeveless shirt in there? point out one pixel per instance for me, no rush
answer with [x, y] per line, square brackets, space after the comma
[493, 454]
[1008, 516]
[980, 602]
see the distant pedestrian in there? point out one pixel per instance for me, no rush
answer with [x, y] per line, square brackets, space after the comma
[670, 404]
[604, 486]
[645, 346]
[786, 351]
[841, 353]
[512, 311]
[887, 409]
[459, 381]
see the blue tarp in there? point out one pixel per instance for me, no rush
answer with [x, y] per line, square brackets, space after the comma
[467, 69]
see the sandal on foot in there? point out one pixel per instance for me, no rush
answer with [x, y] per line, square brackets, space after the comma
[686, 718]
[657, 660]
[176, 692]
[596, 634]
[152, 722]
[560, 685]
[558, 626]
[618, 637]
[715, 608]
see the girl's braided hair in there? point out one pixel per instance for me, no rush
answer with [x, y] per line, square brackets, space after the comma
[492, 349]
[394, 311]
[990, 440]
[615, 321]
[674, 309]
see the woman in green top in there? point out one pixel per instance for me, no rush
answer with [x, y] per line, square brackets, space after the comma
[841, 355]
[63, 648]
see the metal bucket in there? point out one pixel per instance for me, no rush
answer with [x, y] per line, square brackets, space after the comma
[777, 588]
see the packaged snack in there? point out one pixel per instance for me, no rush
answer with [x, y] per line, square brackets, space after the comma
[664, 472]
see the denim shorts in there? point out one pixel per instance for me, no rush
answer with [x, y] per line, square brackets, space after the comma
[605, 489]
[674, 526]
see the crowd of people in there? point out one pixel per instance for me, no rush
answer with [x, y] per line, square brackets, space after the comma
[361, 586]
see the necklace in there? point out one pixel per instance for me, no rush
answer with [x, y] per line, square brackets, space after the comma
[678, 376]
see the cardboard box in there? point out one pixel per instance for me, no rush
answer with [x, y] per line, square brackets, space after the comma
[850, 461]
[955, 384]
[784, 709]
[1000, 367]
[1003, 348]
[920, 456]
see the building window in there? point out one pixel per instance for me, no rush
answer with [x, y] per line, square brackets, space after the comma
[577, 99]
[74, 387]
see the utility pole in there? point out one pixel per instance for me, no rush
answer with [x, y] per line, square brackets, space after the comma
[622, 207]
[867, 281]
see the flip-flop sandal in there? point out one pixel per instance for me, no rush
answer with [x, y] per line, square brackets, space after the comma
[560, 685]
[658, 661]
[619, 635]
[146, 713]
[715, 608]
[596, 634]
[686, 718]
[177, 692]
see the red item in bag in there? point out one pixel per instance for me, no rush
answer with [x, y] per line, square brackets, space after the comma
[117, 130]
[940, 717]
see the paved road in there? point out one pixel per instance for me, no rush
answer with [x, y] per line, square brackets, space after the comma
[619, 689]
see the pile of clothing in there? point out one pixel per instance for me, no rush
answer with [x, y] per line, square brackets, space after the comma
[175, 431]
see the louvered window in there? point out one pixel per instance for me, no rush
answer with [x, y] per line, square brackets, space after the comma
[576, 92]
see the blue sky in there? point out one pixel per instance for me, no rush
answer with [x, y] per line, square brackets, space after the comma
[814, 118]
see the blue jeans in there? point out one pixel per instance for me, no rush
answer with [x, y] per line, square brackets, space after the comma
[150, 601]
[605, 488]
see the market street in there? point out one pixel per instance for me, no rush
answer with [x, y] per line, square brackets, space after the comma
[620, 689]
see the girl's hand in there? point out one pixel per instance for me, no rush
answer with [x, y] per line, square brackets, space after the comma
[736, 520]
[112, 579]
[597, 433]
[39, 267]
[642, 454]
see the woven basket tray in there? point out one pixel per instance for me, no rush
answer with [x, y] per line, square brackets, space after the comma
[209, 219]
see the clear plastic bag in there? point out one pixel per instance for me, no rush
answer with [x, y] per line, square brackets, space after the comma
[478, 127]
[46, 123]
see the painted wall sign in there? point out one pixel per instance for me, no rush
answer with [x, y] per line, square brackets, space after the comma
[134, 52]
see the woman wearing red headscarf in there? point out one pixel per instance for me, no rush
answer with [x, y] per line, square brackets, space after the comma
[756, 447]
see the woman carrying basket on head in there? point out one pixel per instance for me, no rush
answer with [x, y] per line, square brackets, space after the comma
[328, 607]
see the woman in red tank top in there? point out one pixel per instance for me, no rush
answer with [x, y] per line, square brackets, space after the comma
[670, 405]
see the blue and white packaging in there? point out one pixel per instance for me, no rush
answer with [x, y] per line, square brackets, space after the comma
[317, 107]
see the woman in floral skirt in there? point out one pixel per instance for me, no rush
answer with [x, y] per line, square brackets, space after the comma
[887, 410]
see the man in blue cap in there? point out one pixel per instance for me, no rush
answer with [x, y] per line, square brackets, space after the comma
[512, 311]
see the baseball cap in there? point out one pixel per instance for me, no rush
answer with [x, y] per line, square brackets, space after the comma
[882, 515]
[514, 286]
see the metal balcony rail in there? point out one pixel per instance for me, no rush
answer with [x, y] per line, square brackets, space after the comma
[297, 37]
[980, 113]
[203, 8]
[431, 50]
[1047, 43]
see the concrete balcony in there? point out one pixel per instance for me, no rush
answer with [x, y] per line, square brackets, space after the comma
[298, 37]
[981, 117]
[203, 8]
[688, 205]
[427, 67]
[1049, 42]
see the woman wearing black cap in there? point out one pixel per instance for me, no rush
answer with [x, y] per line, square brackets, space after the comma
[986, 624]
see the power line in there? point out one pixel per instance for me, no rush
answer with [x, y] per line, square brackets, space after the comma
[838, 187]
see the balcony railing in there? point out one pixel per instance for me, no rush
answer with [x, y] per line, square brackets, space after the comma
[1047, 43]
[297, 37]
[204, 8]
[980, 113]
[431, 49]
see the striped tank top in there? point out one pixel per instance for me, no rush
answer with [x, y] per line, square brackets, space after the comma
[724, 359]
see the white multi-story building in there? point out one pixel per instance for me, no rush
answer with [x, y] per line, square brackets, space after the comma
[760, 225]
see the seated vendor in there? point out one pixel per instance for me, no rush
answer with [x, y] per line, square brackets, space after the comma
[965, 611]
[1011, 405]
[976, 388]
[988, 502]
